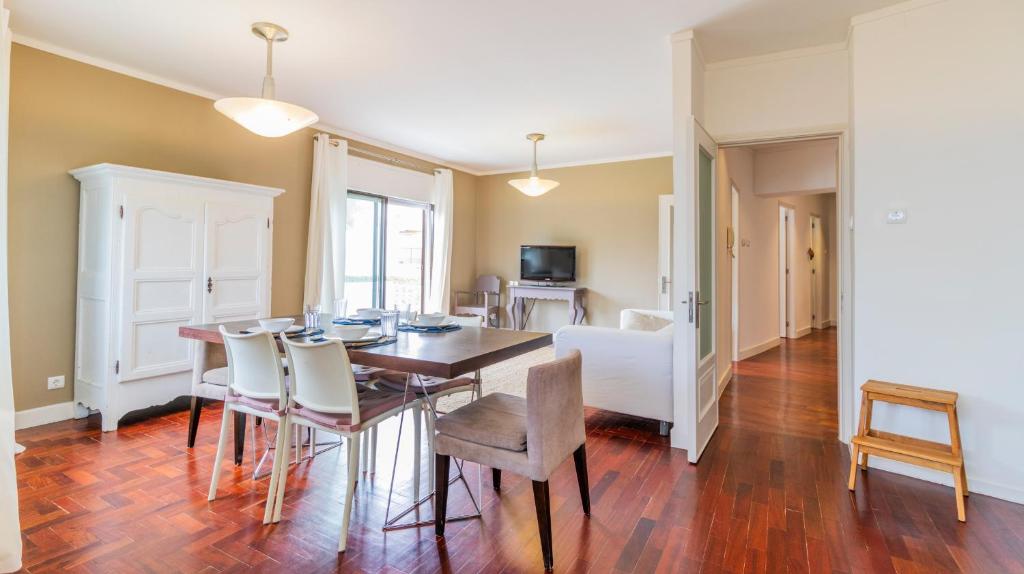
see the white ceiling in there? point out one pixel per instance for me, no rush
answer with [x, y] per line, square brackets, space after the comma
[458, 80]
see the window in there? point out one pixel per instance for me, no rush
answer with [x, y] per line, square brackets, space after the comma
[387, 252]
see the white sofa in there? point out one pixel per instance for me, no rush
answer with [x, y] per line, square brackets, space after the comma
[626, 370]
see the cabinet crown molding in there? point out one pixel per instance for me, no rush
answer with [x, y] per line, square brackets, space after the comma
[98, 171]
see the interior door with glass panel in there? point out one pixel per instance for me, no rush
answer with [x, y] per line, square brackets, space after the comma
[696, 232]
[237, 280]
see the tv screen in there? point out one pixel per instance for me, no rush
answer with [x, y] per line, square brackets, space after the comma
[547, 263]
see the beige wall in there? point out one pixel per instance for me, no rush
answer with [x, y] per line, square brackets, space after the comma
[66, 114]
[608, 211]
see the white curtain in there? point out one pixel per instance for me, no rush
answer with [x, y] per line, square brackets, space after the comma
[441, 258]
[10, 532]
[325, 249]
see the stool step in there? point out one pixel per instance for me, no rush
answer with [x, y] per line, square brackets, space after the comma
[909, 446]
[909, 392]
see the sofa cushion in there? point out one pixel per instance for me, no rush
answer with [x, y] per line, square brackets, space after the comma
[637, 321]
[496, 420]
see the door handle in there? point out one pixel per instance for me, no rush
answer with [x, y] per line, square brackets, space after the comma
[209, 284]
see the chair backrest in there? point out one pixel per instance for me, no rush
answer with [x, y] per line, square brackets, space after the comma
[322, 377]
[554, 413]
[468, 320]
[254, 366]
[488, 283]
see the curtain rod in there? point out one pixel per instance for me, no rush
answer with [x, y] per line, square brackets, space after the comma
[380, 156]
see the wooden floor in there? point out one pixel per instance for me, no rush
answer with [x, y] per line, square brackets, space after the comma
[769, 495]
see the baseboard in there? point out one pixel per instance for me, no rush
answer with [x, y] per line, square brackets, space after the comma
[802, 332]
[759, 348]
[723, 380]
[44, 415]
[827, 323]
[978, 485]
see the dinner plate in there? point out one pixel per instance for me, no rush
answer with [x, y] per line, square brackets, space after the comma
[363, 339]
[446, 323]
[295, 329]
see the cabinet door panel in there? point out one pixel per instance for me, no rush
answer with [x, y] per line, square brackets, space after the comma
[162, 262]
[237, 262]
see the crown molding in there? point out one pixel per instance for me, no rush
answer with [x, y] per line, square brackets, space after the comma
[582, 163]
[778, 56]
[893, 10]
[213, 96]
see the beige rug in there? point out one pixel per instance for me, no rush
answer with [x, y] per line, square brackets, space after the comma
[505, 377]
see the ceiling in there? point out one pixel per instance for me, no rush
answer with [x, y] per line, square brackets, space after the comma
[461, 81]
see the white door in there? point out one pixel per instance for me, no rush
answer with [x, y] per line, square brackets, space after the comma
[236, 283]
[787, 311]
[695, 244]
[817, 256]
[162, 263]
[666, 205]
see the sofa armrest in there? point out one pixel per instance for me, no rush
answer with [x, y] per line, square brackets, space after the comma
[623, 371]
[632, 318]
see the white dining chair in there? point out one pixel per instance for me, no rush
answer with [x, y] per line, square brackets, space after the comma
[255, 386]
[324, 396]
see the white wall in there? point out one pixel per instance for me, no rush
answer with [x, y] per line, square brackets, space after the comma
[789, 92]
[937, 124]
[796, 169]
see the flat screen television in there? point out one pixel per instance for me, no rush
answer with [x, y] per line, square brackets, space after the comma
[550, 263]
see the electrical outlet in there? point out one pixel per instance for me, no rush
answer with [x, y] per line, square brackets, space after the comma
[55, 382]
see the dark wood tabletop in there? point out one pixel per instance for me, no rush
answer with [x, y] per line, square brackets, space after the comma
[435, 354]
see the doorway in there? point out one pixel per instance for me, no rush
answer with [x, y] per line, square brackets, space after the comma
[816, 254]
[734, 252]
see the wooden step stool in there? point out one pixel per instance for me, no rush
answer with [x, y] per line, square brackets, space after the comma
[945, 457]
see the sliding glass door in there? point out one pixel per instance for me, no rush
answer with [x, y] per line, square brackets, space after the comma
[387, 252]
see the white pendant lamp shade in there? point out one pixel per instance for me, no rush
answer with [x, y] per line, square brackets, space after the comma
[534, 185]
[264, 115]
[268, 118]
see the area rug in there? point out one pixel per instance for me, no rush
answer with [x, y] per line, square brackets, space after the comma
[505, 377]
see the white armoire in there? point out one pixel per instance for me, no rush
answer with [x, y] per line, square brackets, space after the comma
[157, 251]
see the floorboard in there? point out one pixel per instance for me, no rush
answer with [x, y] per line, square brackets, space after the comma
[769, 495]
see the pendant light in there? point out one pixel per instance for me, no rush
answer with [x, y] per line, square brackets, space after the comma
[534, 185]
[264, 115]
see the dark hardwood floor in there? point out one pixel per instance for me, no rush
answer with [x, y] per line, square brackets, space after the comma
[769, 495]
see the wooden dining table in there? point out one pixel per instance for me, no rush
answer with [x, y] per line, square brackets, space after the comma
[448, 355]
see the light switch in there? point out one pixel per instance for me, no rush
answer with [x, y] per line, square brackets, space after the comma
[896, 216]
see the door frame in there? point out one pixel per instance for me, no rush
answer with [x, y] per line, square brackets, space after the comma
[844, 248]
[787, 303]
[666, 205]
[817, 288]
[737, 243]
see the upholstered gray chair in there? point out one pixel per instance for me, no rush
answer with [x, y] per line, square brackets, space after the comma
[530, 436]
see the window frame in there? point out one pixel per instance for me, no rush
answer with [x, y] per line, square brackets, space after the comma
[380, 243]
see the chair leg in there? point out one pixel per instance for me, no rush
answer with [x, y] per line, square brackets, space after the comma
[417, 415]
[958, 486]
[350, 488]
[580, 458]
[277, 475]
[853, 467]
[429, 420]
[442, 463]
[664, 427]
[372, 439]
[496, 479]
[239, 437]
[221, 445]
[863, 461]
[193, 420]
[286, 429]
[542, 499]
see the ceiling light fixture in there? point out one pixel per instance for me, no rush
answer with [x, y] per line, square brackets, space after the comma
[534, 185]
[264, 115]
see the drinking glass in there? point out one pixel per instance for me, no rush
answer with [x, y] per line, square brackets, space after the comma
[340, 308]
[389, 324]
[311, 314]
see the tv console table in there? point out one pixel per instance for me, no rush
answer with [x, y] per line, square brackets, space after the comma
[518, 294]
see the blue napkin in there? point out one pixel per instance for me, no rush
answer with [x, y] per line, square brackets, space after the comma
[425, 329]
[348, 321]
